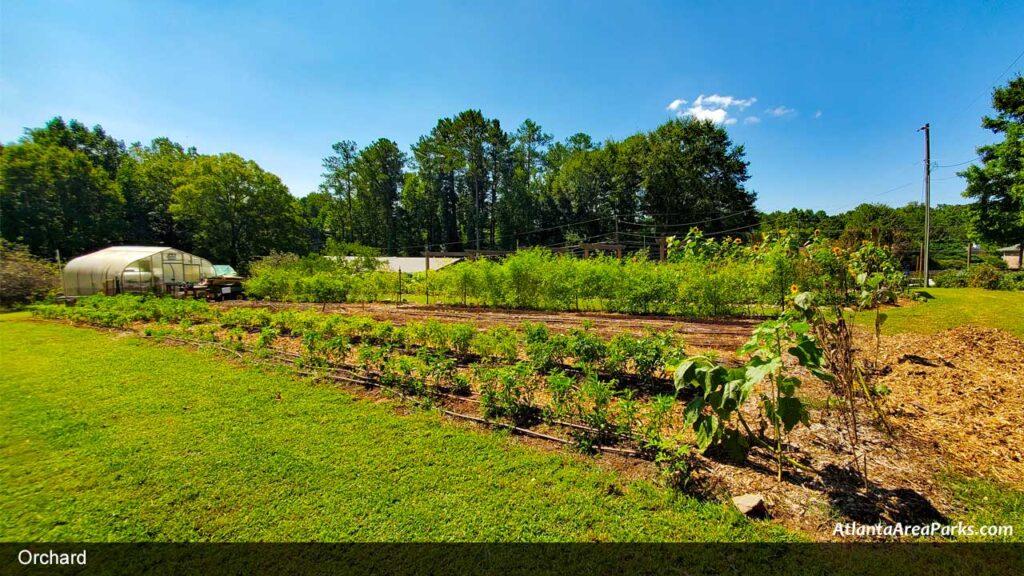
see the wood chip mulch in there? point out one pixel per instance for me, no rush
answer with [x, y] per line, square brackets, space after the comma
[961, 393]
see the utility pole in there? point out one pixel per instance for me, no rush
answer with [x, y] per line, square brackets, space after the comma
[60, 266]
[927, 196]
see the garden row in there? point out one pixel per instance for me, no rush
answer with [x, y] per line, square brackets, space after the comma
[702, 277]
[605, 392]
[612, 394]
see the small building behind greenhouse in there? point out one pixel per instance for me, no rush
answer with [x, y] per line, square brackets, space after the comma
[134, 270]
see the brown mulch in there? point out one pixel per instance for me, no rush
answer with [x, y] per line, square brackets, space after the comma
[960, 393]
[956, 402]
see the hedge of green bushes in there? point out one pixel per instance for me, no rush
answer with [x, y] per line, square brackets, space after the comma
[702, 277]
[980, 276]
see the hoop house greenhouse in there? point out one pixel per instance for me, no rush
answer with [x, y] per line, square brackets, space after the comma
[134, 269]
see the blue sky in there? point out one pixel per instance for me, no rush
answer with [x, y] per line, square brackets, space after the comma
[838, 90]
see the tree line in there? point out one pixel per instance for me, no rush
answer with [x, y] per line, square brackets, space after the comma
[467, 184]
[72, 189]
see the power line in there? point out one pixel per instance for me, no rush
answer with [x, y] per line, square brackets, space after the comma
[998, 78]
[725, 217]
[900, 187]
[975, 159]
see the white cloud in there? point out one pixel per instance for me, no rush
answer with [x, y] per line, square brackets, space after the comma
[716, 115]
[817, 114]
[714, 108]
[675, 104]
[779, 111]
[751, 120]
[716, 101]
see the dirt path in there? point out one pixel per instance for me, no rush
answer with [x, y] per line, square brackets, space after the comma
[720, 334]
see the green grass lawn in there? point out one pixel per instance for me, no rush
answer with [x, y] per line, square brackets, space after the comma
[114, 438]
[952, 307]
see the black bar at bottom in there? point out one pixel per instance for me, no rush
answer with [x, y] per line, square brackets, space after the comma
[514, 559]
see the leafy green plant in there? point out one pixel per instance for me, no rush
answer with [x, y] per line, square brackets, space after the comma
[594, 409]
[586, 347]
[563, 396]
[372, 358]
[266, 338]
[460, 338]
[628, 414]
[645, 356]
[403, 374]
[497, 344]
[653, 423]
[721, 392]
[507, 392]
[674, 459]
[543, 349]
[460, 384]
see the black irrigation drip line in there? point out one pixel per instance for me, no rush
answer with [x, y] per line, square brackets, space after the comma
[349, 376]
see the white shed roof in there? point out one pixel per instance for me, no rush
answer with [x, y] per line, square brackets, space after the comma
[411, 264]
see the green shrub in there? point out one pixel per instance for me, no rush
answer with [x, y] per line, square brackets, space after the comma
[507, 392]
[950, 279]
[983, 276]
[563, 396]
[1012, 281]
[23, 277]
[544, 350]
[586, 347]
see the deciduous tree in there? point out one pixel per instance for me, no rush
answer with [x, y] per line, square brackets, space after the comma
[234, 211]
[997, 186]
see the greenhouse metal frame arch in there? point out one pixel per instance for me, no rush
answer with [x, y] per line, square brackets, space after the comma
[134, 270]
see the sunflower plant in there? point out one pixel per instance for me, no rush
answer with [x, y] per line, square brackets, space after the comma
[721, 392]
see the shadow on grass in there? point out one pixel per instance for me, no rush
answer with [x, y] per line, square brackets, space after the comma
[923, 295]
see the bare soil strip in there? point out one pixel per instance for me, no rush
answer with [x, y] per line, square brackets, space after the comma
[718, 334]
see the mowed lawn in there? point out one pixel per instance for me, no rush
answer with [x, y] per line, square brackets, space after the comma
[111, 437]
[952, 307]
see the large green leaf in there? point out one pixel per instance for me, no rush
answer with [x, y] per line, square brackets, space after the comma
[791, 412]
[788, 385]
[705, 429]
[803, 300]
[807, 352]
[692, 410]
[759, 368]
[736, 444]
[684, 374]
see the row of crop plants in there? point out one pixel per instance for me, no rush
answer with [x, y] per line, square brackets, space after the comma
[633, 394]
[604, 392]
[702, 277]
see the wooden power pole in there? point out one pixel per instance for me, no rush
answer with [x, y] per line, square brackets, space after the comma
[927, 197]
